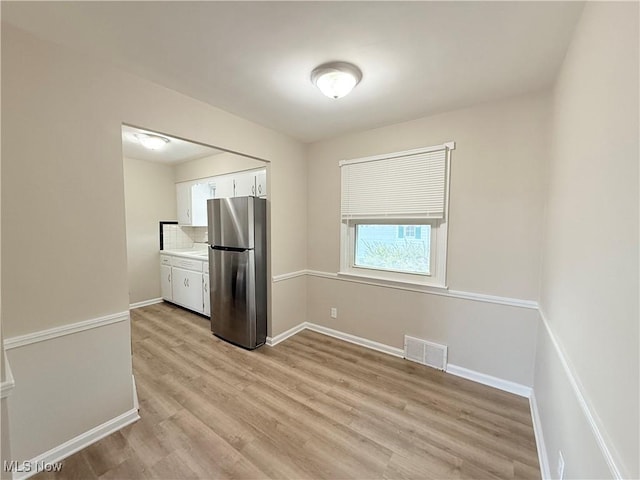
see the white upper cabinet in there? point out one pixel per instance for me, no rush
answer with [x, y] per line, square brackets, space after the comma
[261, 183]
[191, 197]
[222, 186]
[191, 202]
[244, 184]
[200, 193]
[183, 202]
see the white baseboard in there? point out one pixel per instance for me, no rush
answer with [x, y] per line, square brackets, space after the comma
[136, 403]
[363, 342]
[76, 444]
[347, 337]
[272, 341]
[495, 382]
[145, 303]
[543, 459]
[483, 378]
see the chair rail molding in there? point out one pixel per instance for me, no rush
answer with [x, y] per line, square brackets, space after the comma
[62, 330]
[476, 297]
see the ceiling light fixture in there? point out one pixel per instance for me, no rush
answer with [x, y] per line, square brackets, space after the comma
[152, 142]
[336, 79]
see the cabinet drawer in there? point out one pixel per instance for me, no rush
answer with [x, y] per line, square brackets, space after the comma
[165, 260]
[195, 265]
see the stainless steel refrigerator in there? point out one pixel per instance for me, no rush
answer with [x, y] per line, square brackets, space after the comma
[238, 269]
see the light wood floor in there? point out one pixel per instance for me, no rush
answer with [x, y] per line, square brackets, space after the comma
[312, 407]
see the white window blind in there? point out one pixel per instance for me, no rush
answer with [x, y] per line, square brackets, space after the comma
[403, 185]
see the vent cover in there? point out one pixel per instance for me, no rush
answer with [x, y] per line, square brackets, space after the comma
[424, 352]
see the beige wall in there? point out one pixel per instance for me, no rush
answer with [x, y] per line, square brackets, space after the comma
[5, 444]
[66, 191]
[150, 197]
[57, 95]
[496, 200]
[68, 385]
[590, 270]
[493, 339]
[219, 164]
[496, 211]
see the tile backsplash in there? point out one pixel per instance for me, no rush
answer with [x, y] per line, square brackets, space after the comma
[179, 236]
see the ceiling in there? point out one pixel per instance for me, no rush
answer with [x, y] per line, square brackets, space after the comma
[254, 59]
[175, 151]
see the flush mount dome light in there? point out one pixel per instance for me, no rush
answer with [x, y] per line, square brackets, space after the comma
[152, 142]
[336, 79]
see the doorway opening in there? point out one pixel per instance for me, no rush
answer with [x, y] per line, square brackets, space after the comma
[167, 180]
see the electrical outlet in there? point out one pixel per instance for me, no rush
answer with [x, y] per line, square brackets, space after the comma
[560, 466]
[334, 312]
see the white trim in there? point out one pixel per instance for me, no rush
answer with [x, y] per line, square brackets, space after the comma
[136, 403]
[543, 458]
[505, 385]
[347, 337]
[318, 273]
[495, 382]
[606, 447]
[481, 297]
[379, 280]
[363, 342]
[42, 335]
[272, 341]
[145, 303]
[287, 276]
[9, 382]
[76, 444]
[434, 148]
[476, 297]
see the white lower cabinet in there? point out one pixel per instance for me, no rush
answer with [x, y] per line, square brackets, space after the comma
[206, 295]
[187, 288]
[182, 281]
[165, 282]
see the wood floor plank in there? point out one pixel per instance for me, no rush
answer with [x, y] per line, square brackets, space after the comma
[313, 407]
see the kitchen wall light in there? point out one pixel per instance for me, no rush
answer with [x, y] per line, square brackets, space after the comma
[152, 142]
[336, 79]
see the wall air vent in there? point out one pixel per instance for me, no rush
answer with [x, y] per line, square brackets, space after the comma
[424, 352]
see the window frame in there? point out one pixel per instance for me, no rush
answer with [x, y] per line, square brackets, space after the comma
[438, 243]
[437, 257]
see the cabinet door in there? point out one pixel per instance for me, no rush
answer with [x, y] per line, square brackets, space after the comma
[187, 288]
[206, 295]
[244, 184]
[183, 202]
[200, 193]
[261, 184]
[223, 187]
[165, 282]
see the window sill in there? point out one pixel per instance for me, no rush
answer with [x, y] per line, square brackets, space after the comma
[387, 282]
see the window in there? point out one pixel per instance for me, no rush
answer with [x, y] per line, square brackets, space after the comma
[394, 248]
[394, 210]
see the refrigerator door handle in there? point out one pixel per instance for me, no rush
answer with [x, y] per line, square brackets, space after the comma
[230, 249]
